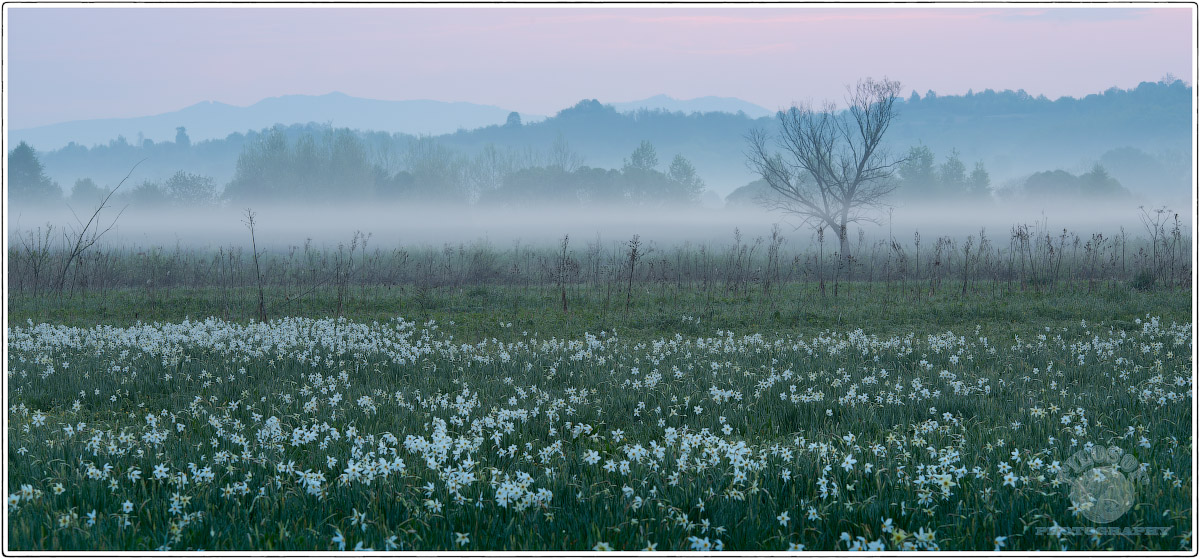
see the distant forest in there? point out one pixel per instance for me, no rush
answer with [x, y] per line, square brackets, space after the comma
[1132, 143]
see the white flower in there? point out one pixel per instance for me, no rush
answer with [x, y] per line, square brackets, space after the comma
[359, 519]
[848, 462]
[925, 537]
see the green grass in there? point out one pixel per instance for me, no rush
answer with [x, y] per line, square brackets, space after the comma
[727, 365]
[655, 309]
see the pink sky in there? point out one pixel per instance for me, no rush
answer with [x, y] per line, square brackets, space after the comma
[77, 63]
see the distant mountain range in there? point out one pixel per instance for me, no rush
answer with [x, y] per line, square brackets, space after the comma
[213, 120]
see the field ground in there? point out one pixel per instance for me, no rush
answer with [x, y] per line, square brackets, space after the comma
[488, 418]
[654, 310]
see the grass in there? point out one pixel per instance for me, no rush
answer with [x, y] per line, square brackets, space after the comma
[729, 410]
[477, 310]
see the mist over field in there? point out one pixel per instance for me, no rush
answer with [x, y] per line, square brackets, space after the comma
[280, 227]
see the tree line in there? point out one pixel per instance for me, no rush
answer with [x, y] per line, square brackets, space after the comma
[326, 165]
[336, 165]
[323, 165]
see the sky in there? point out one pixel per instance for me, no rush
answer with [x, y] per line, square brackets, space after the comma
[73, 63]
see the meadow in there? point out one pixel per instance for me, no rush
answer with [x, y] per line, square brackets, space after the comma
[748, 402]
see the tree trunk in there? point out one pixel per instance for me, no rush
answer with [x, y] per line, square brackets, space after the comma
[843, 232]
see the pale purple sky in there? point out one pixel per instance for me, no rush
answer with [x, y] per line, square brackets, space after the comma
[78, 63]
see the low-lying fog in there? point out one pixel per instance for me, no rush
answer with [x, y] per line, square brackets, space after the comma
[279, 227]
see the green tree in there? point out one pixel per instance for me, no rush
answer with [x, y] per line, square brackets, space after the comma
[535, 186]
[1054, 185]
[322, 165]
[27, 180]
[918, 177]
[643, 158]
[438, 172]
[979, 185]
[189, 191]
[181, 138]
[349, 173]
[952, 176]
[264, 169]
[148, 194]
[306, 170]
[683, 174]
[1097, 183]
[86, 194]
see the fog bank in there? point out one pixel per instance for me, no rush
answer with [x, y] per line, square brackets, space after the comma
[282, 227]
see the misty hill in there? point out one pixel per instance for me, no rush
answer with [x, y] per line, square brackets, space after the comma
[212, 120]
[1016, 134]
[698, 105]
[1011, 132]
[1142, 136]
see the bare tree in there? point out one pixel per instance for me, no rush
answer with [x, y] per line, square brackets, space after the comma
[488, 168]
[832, 169]
[562, 157]
[88, 234]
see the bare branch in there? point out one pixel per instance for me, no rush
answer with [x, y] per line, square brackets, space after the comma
[830, 166]
[82, 240]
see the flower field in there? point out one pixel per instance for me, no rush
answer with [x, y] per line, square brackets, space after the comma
[324, 434]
